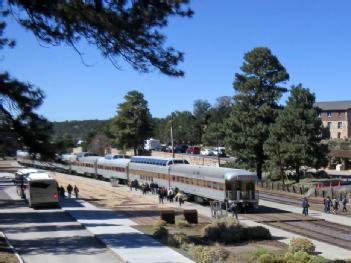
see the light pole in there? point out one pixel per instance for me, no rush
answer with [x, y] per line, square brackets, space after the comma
[172, 136]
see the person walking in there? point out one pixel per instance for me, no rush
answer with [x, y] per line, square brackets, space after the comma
[325, 203]
[234, 209]
[344, 202]
[69, 190]
[328, 204]
[76, 191]
[305, 206]
[335, 206]
[180, 197]
[62, 192]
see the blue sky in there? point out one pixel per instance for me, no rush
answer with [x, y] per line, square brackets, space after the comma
[312, 39]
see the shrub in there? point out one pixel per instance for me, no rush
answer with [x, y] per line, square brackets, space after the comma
[301, 244]
[230, 231]
[265, 258]
[258, 252]
[258, 233]
[161, 233]
[208, 254]
[182, 223]
[179, 240]
[160, 223]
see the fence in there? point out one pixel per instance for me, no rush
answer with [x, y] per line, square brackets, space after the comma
[332, 189]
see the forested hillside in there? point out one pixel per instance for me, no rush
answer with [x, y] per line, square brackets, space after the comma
[77, 129]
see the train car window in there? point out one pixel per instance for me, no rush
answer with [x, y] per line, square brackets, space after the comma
[215, 185]
[220, 186]
[209, 184]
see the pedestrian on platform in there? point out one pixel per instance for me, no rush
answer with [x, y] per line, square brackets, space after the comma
[344, 202]
[160, 195]
[325, 203]
[335, 205]
[62, 192]
[328, 204]
[305, 206]
[234, 209]
[181, 198]
[69, 190]
[76, 191]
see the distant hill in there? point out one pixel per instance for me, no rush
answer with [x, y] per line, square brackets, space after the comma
[77, 129]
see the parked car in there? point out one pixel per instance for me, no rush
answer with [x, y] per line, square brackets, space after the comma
[162, 148]
[180, 148]
[193, 150]
[207, 152]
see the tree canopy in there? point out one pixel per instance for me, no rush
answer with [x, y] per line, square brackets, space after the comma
[295, 137]
[133, 122]
[257, 92]
[130, 30]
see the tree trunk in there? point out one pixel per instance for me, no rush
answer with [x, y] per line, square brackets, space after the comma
[259, 170]
[135, 151]
[297, 174]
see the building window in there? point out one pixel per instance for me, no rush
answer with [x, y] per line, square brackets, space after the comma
[339, 115]
[329, 125]
[339, 124]
[339, 135]
[329, 114]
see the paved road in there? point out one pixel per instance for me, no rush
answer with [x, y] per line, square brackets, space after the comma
[50, 236]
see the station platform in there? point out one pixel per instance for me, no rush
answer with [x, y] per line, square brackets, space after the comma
[116, 231]
[325, 250]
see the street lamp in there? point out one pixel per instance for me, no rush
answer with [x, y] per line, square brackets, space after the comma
[172, 136]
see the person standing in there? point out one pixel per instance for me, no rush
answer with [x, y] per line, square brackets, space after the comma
[69, 190]
[325, 203]
[328, 204]
[305, 206]
[62, 192]
[234, 208]
[76, 191]
[344, 202]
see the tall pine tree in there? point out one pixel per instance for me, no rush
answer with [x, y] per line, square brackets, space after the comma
[133, 123]
[295, 138]
[255, 103]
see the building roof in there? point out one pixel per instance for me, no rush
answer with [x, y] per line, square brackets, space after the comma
[334, 105]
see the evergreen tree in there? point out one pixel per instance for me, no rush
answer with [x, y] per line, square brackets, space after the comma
[295, 138]
[18, 101]
[133, 122]
[255, 104]
[201, 114]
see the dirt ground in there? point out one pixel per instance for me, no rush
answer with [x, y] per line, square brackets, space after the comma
[6, 254]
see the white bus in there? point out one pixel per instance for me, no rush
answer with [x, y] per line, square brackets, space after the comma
[40, 190]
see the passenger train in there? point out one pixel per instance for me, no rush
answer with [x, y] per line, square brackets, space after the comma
[201, 182]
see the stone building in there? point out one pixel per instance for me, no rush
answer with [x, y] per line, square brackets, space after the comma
[336, 115]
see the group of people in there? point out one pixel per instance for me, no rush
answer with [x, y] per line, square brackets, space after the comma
[330, 205]
[62, 192]
[163, 193]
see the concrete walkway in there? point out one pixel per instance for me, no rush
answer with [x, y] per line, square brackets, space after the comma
[117, 233]
[48, 235]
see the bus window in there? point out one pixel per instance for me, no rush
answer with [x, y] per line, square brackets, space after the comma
[41, 185]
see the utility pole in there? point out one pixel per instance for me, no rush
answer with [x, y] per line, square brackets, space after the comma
[218, 157]
[172, 136]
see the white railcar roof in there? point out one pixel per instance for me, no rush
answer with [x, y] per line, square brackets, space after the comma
[114, 162]
[39, 176]
[215, 172]
[89, 158]
[26, 171]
